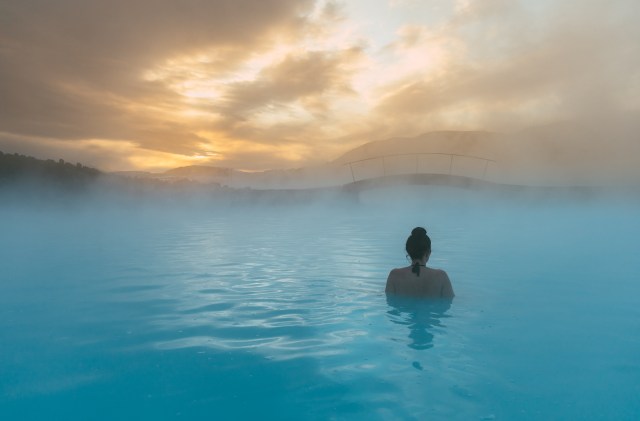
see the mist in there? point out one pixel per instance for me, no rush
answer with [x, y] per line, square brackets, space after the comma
[220, 190]
[121, 298]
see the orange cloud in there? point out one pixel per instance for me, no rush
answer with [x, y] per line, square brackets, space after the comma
[259, 84]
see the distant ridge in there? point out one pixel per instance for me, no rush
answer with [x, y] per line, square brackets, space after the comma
[199, 170]
[472, 143]
[195, 173]
[556, 154]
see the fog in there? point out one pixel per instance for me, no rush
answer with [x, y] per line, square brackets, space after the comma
[120, 300]
[345, 185]
[255, 290]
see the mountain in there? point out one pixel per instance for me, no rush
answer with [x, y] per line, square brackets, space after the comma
[296, 178]
[484, 145]
[563, 153]
[473, 143]
[198, 173]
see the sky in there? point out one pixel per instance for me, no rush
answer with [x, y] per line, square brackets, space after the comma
[264, 84]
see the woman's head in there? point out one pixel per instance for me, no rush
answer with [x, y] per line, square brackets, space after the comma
[418, 243]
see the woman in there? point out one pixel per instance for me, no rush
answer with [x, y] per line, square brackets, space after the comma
[418, 280]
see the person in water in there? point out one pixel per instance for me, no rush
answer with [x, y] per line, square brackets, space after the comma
[418, 280]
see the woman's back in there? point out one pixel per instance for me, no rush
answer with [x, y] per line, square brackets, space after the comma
[432, 283]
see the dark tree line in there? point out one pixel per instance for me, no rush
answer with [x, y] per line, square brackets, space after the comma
[16, 167]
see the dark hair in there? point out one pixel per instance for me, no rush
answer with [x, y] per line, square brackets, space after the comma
[418, 244]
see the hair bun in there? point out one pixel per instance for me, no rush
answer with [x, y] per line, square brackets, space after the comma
[419, 232]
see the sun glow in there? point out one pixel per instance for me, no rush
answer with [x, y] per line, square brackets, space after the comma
[207, 81]
[141, 158]
[202, 76]
[225, 146]
[306, 81]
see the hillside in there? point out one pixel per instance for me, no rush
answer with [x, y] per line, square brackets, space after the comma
[198, 173]
[472, 143]
[14, 167]
[199, 170]
[561, 153]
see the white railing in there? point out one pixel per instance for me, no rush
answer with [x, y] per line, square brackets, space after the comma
[419, 163]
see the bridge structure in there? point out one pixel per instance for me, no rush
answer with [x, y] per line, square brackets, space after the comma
[420, 168]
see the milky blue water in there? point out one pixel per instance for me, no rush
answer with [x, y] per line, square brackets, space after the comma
[278, 312]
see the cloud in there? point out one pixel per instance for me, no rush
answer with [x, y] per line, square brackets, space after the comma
[293, 82]
[295, 78]
[74, 69]
[562, 67]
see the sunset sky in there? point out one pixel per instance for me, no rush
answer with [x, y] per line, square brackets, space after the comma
[260, 84]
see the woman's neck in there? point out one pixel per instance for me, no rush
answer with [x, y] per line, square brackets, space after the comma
[416, 265]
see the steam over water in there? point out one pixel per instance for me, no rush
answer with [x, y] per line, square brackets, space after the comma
[278, 312]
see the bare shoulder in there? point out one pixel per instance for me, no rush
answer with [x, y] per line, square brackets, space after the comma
[439, 274]
[392, 280]
[446, 287]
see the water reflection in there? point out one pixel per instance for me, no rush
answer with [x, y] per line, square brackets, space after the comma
[422, 317]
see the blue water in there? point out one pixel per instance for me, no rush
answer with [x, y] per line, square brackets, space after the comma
[278, 312]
